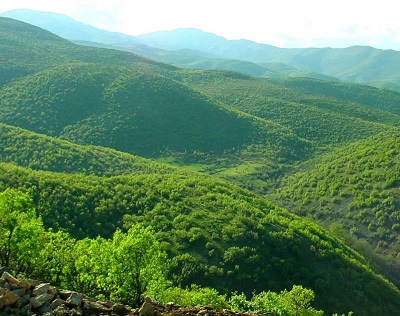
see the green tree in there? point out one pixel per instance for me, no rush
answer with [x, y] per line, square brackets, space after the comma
[137, 265]
[298, 300]
[21, 232]
[58, 257]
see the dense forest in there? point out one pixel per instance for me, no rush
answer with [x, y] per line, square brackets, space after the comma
[241, 192]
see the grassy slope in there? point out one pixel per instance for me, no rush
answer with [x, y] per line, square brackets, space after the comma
[220, 235]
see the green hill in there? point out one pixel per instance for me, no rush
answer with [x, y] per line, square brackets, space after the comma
[376, 98]
[326, 120]
[356, 187]
[146, 114]
[40, 152]
[215, 233]
[27, 49]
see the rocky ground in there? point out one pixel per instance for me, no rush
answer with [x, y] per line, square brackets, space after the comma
[35, 298]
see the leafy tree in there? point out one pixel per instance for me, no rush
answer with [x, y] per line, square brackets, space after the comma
[138, 265]
[20, 232]
[298, 301]
[195, 296]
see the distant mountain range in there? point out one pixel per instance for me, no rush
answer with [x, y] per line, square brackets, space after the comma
[192, 48]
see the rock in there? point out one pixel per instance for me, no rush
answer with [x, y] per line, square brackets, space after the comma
[56, 303]
[148, 308]
[20, 292]
[64, 294]
[32, 283]
[9, 298]
[95, 306]
[9, 278]
[24, 284]
[40, 300]
[44, 309]
[40, 289]
[106, 303]
[119, 308]
[74, 300]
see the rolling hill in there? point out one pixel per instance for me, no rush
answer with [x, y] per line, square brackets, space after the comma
[358, 64]
[327, 118]
[356, 187]
[136, 112]
[216, 234]
[41, 152]
[27, 49]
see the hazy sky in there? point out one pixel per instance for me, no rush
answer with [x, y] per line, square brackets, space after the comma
[283, 23]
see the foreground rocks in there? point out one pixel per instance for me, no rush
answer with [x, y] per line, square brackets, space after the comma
[35, 298]
[30, 297]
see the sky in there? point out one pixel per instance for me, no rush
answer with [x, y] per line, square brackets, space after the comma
[283, 23]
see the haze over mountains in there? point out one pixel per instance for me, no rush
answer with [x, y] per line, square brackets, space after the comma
[186, 47]
[79, 125]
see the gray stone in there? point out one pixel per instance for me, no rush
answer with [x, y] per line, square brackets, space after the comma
[44, 309]
[64, 294]
[74, 300]
[40, 300]
[148, 308]
[95, 306]
[19, 292]
[56, 303]
[40, 289]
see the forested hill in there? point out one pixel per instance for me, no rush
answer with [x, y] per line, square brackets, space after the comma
[355, 188]
[41, 152]
[27, 49]
[215, 233]
[325, 113]
[140, 113]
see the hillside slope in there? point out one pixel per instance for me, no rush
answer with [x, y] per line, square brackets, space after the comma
[215, 233]
[356, 187]
[145, 114]
[326, 120]
[27, 49]
[41, 152]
